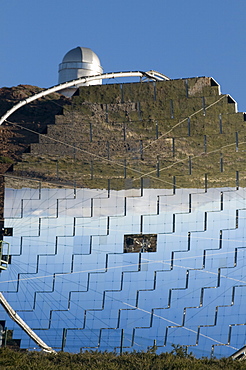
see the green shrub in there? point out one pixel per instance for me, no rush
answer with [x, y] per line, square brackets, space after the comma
[5, 159]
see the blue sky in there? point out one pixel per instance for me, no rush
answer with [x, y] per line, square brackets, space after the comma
[176, 37]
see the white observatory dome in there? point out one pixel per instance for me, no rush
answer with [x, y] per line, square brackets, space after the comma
[79, 62]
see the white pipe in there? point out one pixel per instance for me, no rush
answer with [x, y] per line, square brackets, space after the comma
[14, 316]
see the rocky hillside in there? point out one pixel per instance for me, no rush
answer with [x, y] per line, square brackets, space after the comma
[178, 133]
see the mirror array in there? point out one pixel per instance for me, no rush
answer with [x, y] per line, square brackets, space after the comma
[128, 222]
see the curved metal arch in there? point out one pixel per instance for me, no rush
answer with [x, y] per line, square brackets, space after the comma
[152, 75]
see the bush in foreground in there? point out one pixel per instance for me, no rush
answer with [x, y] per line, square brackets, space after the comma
[10, 359]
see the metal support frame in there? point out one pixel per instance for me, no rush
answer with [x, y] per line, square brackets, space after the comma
[240, 354]
[14, 316]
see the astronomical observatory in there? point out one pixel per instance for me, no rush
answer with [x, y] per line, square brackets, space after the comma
[125, 218]
[79, 62]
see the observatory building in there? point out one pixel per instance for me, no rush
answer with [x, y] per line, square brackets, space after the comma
[79, 62]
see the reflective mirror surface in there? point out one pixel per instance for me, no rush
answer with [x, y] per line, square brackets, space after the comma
[71, 281]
